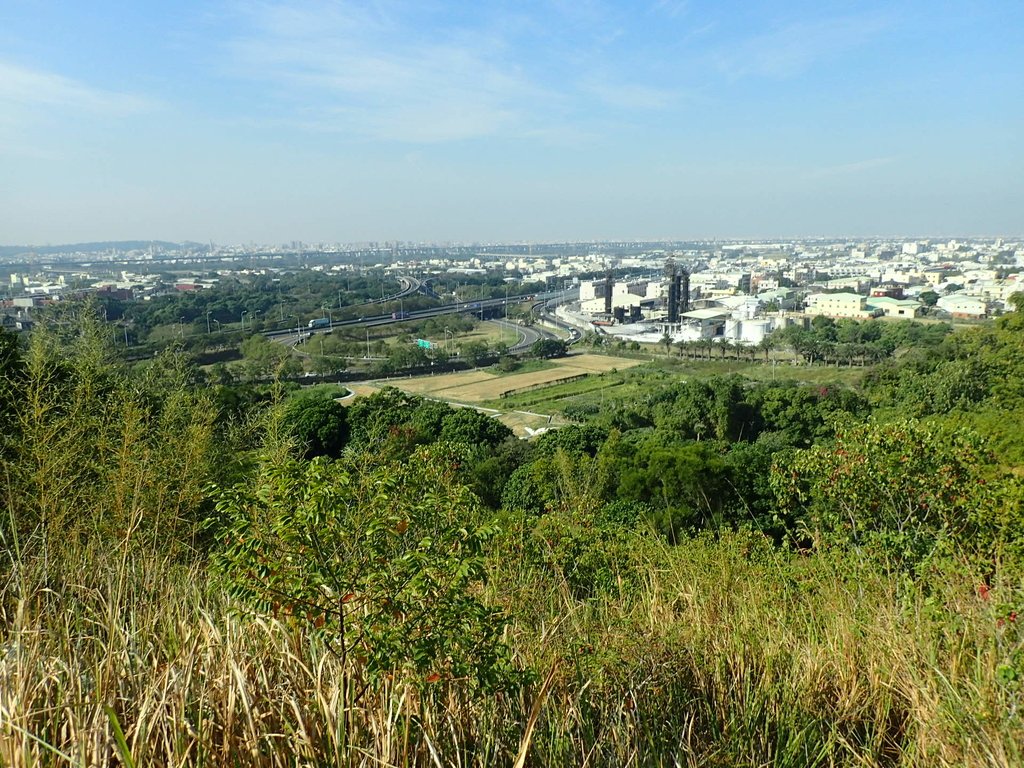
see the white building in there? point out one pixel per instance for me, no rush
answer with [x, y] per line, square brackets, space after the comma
[838, 305]
[749, 331]
[625, 294]
[891, 307]
[959, 305]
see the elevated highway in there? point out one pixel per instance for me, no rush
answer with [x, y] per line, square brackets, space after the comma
[484, 308]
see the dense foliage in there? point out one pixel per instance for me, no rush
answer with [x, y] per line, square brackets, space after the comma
[703, 572]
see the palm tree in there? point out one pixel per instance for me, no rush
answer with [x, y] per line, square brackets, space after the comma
[708, 345]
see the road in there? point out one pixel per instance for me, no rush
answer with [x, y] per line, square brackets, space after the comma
[528, 335]
[293, 336]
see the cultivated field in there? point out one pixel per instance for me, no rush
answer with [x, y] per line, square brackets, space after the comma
[474, 387]
[482, 385]
[479, 386]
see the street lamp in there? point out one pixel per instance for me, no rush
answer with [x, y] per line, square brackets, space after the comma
[367, 343]
[218, 324]
[208, 321]
[244, 313]
[446, 333]
[253, 316]
[181, 328]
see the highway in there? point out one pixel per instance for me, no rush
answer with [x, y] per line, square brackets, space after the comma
[293, 336]
[528, 335]
[544, 311]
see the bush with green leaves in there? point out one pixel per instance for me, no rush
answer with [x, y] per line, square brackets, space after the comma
[591, 551]
[472, 427]
[907, 491]
[96, 455]
[318, 423]
[385, 559]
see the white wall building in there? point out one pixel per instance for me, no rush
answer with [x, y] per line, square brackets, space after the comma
[891, 307]
[625, 294]
[960, 305]
[837, 305]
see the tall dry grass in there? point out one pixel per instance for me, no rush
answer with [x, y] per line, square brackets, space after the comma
[718, 658]
[117, 648]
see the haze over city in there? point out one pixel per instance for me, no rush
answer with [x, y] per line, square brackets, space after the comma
[332, 121]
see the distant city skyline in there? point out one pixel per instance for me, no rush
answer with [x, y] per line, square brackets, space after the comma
[281, 120]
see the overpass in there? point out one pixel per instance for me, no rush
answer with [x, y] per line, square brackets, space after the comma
[483, 308]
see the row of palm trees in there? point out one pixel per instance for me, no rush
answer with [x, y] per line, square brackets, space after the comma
[810, 350]
[697, 349]
[799, 345]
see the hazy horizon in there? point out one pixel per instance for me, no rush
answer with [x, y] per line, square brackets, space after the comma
[261, 121]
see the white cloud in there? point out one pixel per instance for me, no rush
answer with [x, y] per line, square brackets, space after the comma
[671, 8]
[24, 87]
[366, 73]
[632, 96]
[848, 169]
[794, 48]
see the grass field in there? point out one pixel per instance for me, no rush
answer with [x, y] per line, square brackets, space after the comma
[627, 381]
[485, 388]
[482, 385]
[546, 387]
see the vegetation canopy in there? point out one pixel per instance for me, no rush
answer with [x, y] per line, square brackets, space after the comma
[704, 568]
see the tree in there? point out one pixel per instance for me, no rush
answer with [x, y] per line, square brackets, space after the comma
[476, 353]
[381, 417]
[471, 427]
[548, 348]
[12, 370]
[929, 298]
[507, 363]
[408, 355]
[905, 491]
[666, 341]
[318, 423]
[264, 357]
[575, 439]
[386, 560]
[94, 453]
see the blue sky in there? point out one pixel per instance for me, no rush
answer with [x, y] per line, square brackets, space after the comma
[271, 121]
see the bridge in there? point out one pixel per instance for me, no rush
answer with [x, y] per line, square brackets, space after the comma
[542, 307]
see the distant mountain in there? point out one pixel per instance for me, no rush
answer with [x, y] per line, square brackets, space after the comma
[119, 245]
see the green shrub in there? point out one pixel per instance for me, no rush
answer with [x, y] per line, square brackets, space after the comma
[385, 559]
[906, 491]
